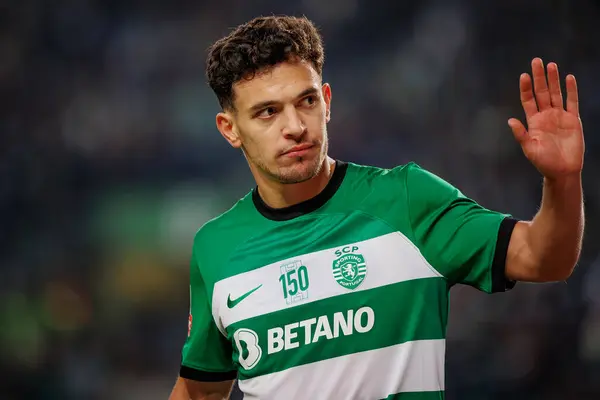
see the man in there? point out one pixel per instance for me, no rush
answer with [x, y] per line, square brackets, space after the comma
[330, 280]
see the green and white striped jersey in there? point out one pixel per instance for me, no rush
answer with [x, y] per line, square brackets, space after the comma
[344, 296]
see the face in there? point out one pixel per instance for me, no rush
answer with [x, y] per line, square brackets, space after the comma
[280, 122]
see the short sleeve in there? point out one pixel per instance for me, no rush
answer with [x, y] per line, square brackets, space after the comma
[207, 354]
[462, 240]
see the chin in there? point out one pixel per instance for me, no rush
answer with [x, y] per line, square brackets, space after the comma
[301, 170]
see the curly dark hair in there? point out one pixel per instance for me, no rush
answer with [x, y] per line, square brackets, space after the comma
[258, 45]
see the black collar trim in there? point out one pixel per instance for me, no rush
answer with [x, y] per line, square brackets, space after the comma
[308, 206]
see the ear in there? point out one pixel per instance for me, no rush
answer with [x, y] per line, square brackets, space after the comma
[326, 90]
[226, 125]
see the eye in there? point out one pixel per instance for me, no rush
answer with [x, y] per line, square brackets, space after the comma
[267, 112]
[309, 100]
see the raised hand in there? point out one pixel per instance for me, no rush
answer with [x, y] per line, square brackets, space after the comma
[553, 140]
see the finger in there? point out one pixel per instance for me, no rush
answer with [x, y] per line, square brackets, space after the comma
[527, 99]
[518, 130]
[554, 86]
[572, 96]
[540, 87]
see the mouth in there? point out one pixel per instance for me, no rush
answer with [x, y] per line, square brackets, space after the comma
[299, 150]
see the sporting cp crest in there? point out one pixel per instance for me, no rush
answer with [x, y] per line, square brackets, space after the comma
[350, 270]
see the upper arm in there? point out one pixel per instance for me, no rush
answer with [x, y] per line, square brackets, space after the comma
[462, 240]
[208, 390]
[186, 389]
[520, 261]
[207, 355]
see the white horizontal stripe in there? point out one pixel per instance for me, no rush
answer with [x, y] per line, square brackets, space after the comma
[416, 366]
[389, 259]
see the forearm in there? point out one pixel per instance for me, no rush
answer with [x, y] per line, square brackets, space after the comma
[555, 233]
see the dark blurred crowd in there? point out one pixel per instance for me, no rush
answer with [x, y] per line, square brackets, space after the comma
[110, 161]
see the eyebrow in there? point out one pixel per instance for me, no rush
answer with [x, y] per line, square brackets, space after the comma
[267, 103]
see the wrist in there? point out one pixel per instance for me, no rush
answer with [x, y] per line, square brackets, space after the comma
[564, 181]
[563, 193]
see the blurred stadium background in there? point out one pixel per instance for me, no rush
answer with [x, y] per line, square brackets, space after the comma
[110, 161]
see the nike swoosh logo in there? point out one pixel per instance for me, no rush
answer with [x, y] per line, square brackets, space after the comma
[232, 303]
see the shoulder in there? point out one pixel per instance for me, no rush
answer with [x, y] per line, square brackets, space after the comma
[409, 176]
[379, 193]
[408, 183]
[241, 211]
[377, 190]
[371, 175]
[216, 237]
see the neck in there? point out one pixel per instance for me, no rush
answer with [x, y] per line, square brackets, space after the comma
[278, 195]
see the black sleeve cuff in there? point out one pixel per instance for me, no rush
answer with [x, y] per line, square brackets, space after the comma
[499, 281]
[203, 376]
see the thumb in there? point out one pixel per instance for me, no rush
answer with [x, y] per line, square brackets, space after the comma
[518, 130]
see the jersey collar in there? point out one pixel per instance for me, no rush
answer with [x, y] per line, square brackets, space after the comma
[307, 206]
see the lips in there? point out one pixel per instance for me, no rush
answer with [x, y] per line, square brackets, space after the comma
[298, 149]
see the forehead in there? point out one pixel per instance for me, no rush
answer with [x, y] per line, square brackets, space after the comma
[280, 83]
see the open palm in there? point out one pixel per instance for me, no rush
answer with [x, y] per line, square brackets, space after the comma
[554, 140]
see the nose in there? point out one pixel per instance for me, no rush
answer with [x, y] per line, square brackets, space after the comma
[293, 126]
